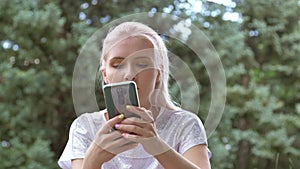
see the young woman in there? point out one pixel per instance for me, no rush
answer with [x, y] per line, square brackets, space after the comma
[165, 136]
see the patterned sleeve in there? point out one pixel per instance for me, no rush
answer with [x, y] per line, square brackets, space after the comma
[192, 134]
[77, 144]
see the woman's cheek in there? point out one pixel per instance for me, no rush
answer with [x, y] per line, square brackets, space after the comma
[113, 77]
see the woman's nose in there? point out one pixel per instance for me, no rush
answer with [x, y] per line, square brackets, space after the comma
[130, 74]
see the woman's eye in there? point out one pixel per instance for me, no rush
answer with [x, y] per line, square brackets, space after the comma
[116, 65]
[142, 65]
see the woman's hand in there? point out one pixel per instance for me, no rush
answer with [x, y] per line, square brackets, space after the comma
[111, 140]
[142, 130]
[106, 145]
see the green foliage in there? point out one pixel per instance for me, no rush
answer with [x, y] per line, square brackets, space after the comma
[260, 56]
[41, 39]
[26, 156]
[33, 83]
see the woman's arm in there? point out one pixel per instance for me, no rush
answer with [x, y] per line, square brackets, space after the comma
[199, 156]
[194, 158]
[105, 146]
[94, 158]
[77, 163]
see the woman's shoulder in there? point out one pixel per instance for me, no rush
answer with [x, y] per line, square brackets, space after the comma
[179, 113]
[94, 116]
[176, 117]
[90, 120]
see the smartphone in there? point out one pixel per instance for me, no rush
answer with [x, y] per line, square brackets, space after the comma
[118, 95]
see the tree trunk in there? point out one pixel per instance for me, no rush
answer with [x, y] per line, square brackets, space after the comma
[244, 146]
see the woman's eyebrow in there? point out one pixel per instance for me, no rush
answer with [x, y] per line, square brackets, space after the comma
[142, 57]
[117, 58]
[120, 58]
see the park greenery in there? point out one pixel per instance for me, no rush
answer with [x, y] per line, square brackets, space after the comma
[259, 46]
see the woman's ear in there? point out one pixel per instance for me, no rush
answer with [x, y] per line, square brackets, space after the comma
[103, 73]
[158, 80]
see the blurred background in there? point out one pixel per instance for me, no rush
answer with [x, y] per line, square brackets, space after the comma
[258, 43]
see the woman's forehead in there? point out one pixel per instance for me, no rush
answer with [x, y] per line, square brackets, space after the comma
[134, 46]
[146, 54]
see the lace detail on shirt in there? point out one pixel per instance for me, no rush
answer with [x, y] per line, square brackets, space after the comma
[178, 128]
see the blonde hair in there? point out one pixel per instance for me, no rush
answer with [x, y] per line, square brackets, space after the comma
[136, 29]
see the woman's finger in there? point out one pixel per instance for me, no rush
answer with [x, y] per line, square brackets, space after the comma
[142, 112]
[136, 129]
[111, 123]
[136, 122]
[113, 142]
[153, 145]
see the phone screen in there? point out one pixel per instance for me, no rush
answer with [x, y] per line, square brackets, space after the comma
[118, 95]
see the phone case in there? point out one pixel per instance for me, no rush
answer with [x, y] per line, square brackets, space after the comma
[118, 95]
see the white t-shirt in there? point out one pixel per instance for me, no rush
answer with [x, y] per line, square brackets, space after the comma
[180, 129]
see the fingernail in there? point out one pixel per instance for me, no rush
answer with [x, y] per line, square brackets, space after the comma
[117, 125]
[128, 106]
[121, 116]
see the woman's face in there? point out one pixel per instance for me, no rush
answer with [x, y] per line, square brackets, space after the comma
[133, 60]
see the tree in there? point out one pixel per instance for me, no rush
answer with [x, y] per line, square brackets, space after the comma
[273, 36]
[260, 124]
[41, 39]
